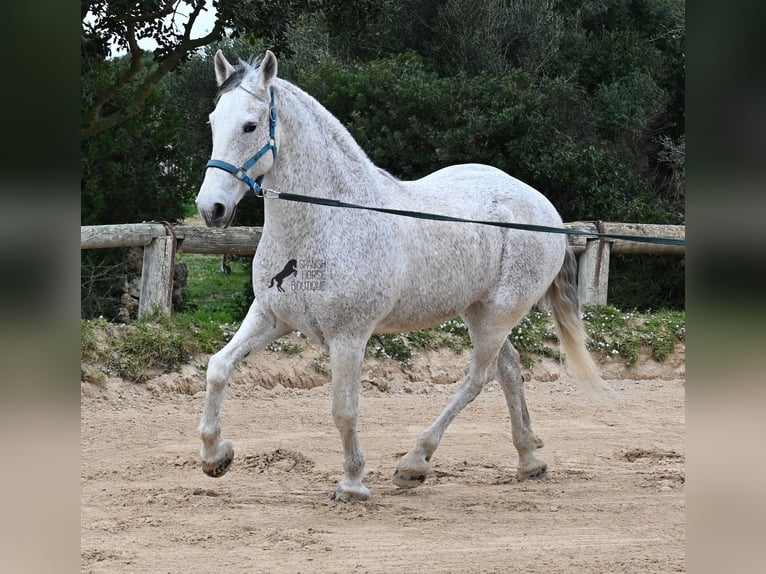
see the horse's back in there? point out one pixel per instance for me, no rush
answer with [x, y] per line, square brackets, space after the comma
[482, 192]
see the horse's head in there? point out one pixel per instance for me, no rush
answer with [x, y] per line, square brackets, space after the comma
[245, 138]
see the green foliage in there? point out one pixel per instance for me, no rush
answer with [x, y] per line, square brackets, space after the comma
[425, 339]
[150, 346]
[458, 337]
[612, 332]
[134, 172]
[88, 339]
[393, 347]
[646, 282]
[285, 347]
[662, 330]
[168, 24]
[137, 171]
[619, 64]
[402, 347]
[535, 336]
[320, 365]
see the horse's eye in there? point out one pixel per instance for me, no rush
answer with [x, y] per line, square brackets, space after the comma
[249, 128]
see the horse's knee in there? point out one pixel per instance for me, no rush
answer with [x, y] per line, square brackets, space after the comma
[218, 371]
[344, 418]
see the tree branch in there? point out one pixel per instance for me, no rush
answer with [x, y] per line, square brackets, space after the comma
[136, 64]
[171, 6]
[95, 123]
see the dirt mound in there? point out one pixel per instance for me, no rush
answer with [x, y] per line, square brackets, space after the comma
[310, 368]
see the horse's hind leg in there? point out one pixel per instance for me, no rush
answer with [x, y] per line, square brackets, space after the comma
[257, 330]
[346, 357]
[525, 441]
[416, 464]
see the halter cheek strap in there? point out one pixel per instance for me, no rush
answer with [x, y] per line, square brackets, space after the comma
[241, 172]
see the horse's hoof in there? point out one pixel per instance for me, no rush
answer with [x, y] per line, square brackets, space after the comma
[538, 472]
[218, 468]
[357, 493]
[412, 470]
[405, 480]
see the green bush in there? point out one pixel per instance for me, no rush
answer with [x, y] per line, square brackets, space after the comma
[134, 172]
[543, 131]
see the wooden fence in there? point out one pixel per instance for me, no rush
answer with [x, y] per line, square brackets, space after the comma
[162, 241]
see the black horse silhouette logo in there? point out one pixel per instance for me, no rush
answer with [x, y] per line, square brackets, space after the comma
[290, 269]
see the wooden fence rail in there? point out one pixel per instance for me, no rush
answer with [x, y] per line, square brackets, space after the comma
[162, 241]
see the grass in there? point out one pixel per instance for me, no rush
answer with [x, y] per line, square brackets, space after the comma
[285, 347]
[155, 344]
[215, 296]
[612, 332]
[216, 303]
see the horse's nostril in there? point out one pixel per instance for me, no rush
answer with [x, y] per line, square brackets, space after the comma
[219, 210]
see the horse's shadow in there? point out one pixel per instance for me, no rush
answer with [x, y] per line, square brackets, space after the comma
[290, 269]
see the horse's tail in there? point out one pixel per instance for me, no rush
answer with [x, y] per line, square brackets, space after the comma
[564, 301]
[272, 282]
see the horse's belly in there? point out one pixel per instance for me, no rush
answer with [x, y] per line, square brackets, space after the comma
[427, 301]
[400, 321]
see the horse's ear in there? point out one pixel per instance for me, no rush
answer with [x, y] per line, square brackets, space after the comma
[222, 68]
[268, 68]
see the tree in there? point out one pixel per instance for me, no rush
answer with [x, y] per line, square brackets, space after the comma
[123, 23]
[137, 171]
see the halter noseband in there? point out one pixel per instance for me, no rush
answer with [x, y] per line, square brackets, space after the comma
[241, 172]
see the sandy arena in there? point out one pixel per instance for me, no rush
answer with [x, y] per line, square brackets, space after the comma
[613, 501]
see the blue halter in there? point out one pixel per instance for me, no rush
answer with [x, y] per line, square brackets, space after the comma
[241, 172]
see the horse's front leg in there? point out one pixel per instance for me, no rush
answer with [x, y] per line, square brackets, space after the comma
[346, 359]
[259, 328]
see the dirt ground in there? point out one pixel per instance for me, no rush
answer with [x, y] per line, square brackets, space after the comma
[613, 500]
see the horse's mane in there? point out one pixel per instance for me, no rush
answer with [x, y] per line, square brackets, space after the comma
[331, 125]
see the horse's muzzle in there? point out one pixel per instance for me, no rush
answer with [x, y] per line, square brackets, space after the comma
[216, 215]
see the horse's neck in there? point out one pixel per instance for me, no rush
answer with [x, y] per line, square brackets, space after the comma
[318, 156]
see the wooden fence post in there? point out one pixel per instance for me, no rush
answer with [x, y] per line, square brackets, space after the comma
[157, 277]
[593, 272]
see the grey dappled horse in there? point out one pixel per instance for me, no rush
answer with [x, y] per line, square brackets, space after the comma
[360, 273]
